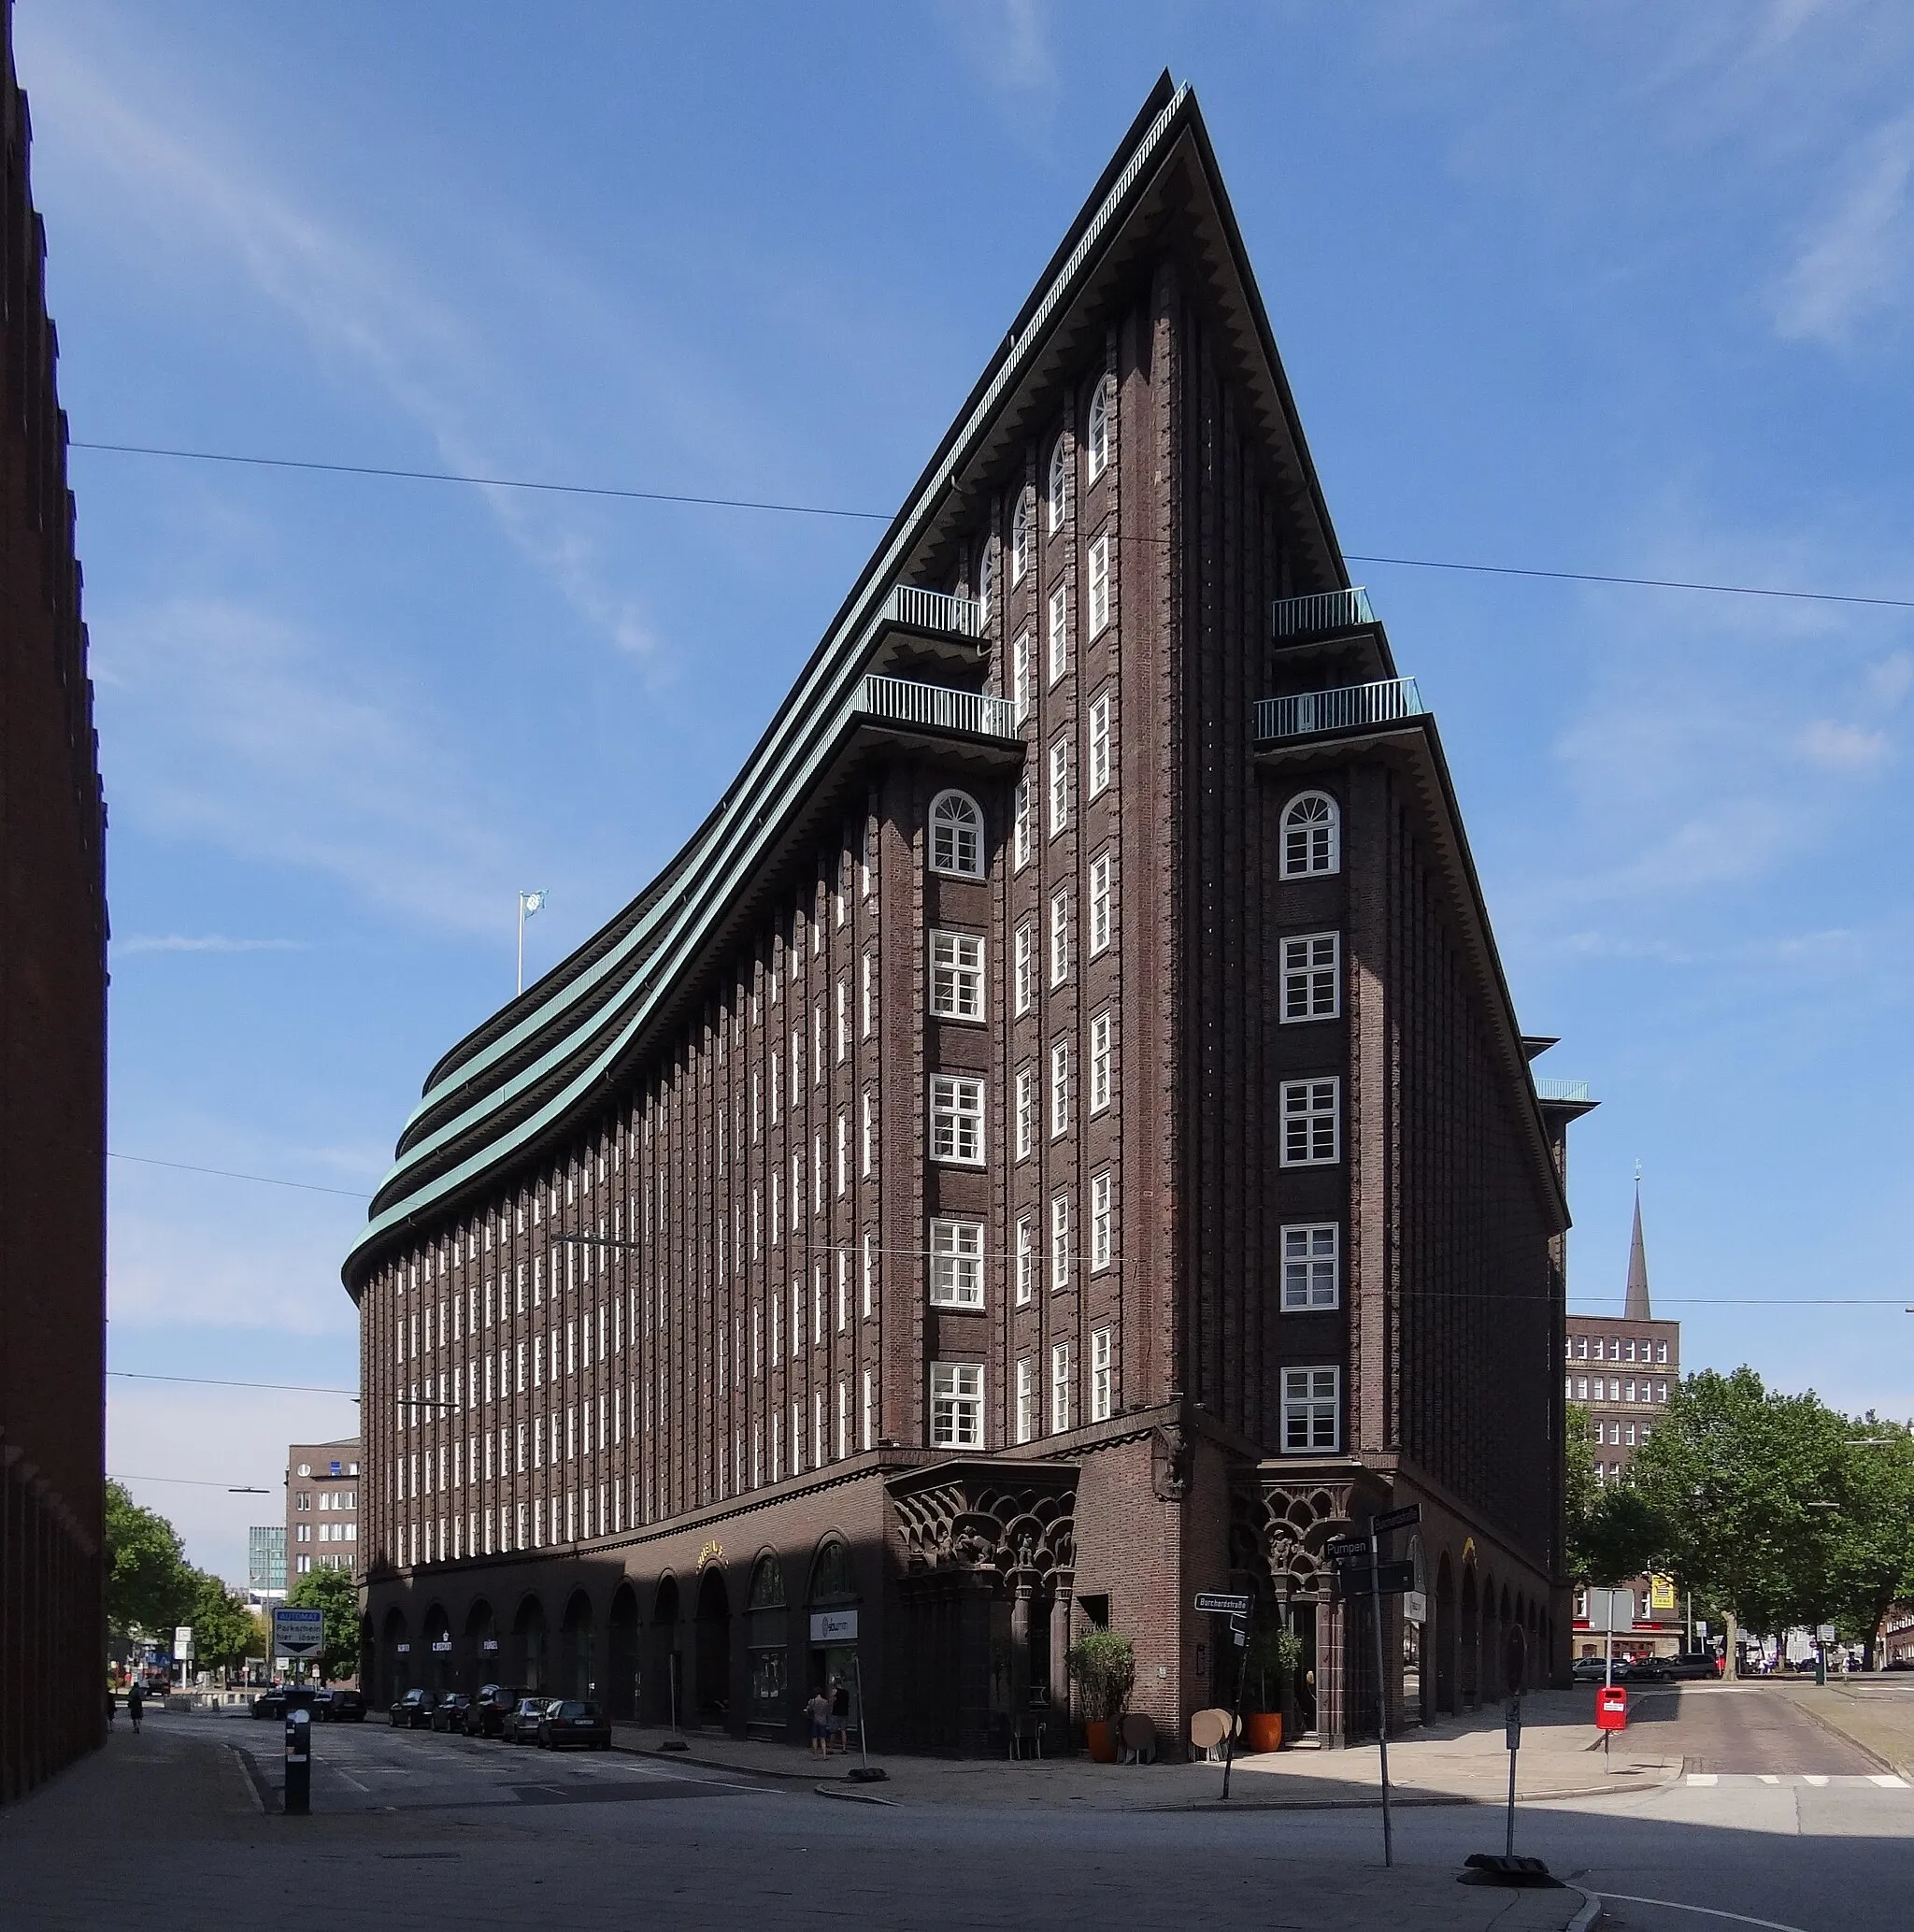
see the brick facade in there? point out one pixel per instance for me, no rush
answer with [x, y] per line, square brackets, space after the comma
[53, 1045]
[688, 1271]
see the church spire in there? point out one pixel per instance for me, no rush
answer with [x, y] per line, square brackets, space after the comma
[1637, 1308]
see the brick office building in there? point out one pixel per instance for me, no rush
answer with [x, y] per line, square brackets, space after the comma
[1056, 1139]
[52, 1044]
[321, 1508]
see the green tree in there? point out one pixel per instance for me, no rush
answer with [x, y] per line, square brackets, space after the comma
[334, 1592]
[222, 1622]
[1872, 1560]
[149, 1584]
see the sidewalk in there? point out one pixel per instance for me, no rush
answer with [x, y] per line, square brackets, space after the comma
[1876, 1713]
[1461, 1761]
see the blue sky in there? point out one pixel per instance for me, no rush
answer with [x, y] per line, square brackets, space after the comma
[1617, 288]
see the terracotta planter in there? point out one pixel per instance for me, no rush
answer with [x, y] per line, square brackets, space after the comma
[1262, 1730]
[1102, 1738]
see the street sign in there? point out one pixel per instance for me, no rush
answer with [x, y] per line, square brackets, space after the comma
[1223, 1603]
[1661, 1595]
[298, 1633]
[1340, 1548]
[1611, 1609]
[1825, 1632]
[1404, 1518]
[1388, 1578]
[182, 1641]
[1414, 1606]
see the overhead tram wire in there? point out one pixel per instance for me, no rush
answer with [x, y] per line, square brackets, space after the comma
[874, 516]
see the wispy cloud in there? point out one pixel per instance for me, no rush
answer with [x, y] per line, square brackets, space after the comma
[366, 312]
[203, 942]
[1842, 747]
[1007, 42]
[246, 731]
[1856, 256]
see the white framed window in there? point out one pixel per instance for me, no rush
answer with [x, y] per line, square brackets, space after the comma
[1026, 1399]
[870, 1132]
[1060, 785]
[1020, 653]
[1102, 1064]
[1059, 1088]
[1312, 835]
[1056, 496]
[1027, 1112]
[1020, 538]
[1060, 1243]
[870, 975]
[1102, 906]
[1100, 742]
[1060, 1387]
[957, 1405]
[843, 1018]
[957, 1264]
[984, 583]
[1311, 977]
[1099, 585]
[843, 1151]
[1097, 441]
[957, 1118]
[1311, 1411]
[1021, 835]
[956, 834]
[1060, 937]
[1023, 978]
[1102, 1376]
[1102, 1231]
[1311, 1265]
[1026, 1261]
[1057, 633]
[956, 976]
[1311, 1122]
[870, 1277]
[870, 1410]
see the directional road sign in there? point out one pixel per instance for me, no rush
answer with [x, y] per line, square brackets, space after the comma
[1392, 1579]
[1222, 1602]
[1340, 1548]
[297, 1633]
[1404, 1518]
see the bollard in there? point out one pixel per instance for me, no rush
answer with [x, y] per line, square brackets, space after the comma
[298, 1762]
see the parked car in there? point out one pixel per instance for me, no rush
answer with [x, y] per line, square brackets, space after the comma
[1588, 1670]
[571, 1723]
[346, 1708]
[486, 1715]
[1648, 1670]
[521, 1727]
[1691, 1664]
[448, 1713]
[413, 1710]
[270, 1703]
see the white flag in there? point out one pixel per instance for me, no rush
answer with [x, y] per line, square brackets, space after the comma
[532, 902]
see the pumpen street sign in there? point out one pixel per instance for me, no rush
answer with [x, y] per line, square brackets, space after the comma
[1341, 1549]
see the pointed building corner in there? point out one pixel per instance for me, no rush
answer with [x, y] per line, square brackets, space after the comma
[1637, 1308]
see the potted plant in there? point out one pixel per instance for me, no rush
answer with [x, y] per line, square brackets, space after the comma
[1275, 1655]
[1102, 1666]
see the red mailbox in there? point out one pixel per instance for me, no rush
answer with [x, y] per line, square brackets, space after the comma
[1611, 1709]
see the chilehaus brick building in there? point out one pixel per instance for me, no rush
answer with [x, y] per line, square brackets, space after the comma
[1055, 1139]
[52, 1042]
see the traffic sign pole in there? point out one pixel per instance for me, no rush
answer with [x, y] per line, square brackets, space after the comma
[1239, 1630]
[1381, 1693]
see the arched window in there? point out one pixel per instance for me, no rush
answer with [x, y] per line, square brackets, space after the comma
[832, 1581]
[1312, 835]
[1099, 437]
[1019, 536]
[1059, 484]
[983, 582]
[956, 834]
[767, 1585]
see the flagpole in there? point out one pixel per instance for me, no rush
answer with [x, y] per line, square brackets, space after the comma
[521, 943]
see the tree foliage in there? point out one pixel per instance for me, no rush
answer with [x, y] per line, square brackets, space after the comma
[334, 1592]
[150, 1587]
[222, 1622]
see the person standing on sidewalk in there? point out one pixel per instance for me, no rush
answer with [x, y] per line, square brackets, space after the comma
[135, 1698]
[840, 1715]
[819, 1711]
[112, 1707]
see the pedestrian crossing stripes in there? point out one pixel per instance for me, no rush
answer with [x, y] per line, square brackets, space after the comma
[1884, 1781]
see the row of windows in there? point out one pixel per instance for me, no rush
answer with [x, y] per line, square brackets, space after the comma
[1580, 1348]
[328, 1533]
[1096, 452]
[1311, 1420]
[1631, 1434]
[1618, 1391]
[1056, 641]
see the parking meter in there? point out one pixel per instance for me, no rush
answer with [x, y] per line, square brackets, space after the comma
[298, 1762]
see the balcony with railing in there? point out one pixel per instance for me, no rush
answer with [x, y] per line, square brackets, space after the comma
[1386, 702]
[1567, 1092]
[919, 706]
[940, 613]
[1320, 613]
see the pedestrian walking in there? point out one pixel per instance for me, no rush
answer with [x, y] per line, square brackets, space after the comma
[840, 1715]
[819, 1711]
[135, 1697]
[112, 1707]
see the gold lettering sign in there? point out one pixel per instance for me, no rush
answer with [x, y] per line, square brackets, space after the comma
[712, 1552]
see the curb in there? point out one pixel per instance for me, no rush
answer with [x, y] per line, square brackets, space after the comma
[1835, 1730]
[1591, 1910]
[853, 1797]
[710, 1764]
